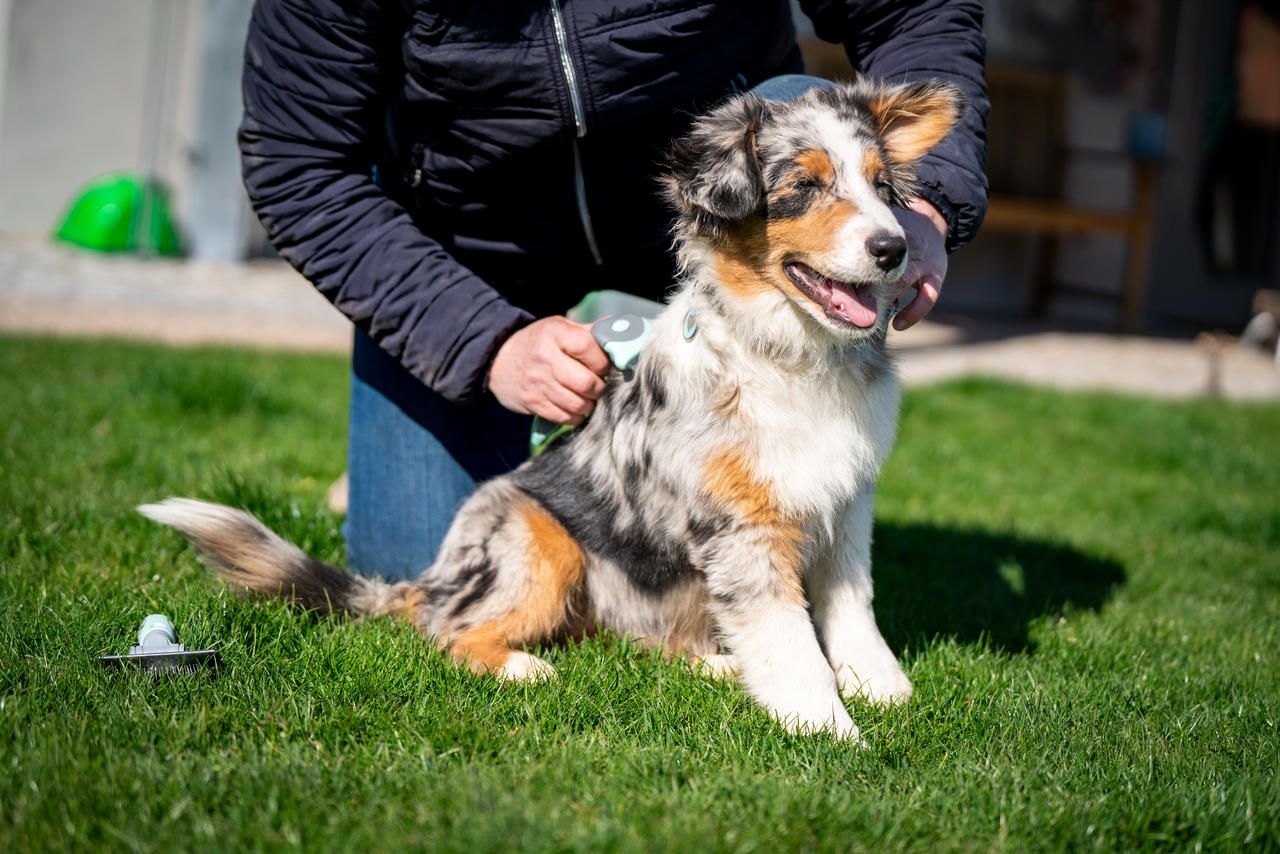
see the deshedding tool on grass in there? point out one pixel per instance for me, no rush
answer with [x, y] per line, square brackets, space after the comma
[159, 652]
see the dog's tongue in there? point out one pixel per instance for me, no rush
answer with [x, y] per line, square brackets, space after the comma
[856, 305]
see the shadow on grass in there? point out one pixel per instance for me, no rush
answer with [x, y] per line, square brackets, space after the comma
[934, 582]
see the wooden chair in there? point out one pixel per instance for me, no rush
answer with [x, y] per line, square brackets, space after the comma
[1026, 163]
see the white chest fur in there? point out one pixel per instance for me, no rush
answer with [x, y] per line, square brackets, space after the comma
[818, 439]
[815, 425]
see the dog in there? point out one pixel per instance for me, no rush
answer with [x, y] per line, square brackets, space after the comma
[718, 503]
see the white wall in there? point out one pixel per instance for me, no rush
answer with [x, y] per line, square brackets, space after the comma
[73, 75]
[5, 7]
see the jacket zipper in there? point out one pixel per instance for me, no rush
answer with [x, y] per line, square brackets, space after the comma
[579, 127]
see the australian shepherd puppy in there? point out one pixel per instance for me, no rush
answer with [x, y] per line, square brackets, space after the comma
[718, 503]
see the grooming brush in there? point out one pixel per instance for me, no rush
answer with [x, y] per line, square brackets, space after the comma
[621, 336]
[158, 651]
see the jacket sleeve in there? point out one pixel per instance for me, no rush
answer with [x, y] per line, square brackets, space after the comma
[318, 75]
[898, 41]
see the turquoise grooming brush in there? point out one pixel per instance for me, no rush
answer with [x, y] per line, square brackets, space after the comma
[622, 336]
[158, 651]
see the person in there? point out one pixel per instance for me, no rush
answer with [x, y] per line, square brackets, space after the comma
[453, 176]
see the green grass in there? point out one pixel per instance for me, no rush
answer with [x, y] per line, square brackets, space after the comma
[1084, 589]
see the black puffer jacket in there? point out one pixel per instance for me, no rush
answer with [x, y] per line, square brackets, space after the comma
[446, 170]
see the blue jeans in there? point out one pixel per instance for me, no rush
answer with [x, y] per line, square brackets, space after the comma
[413, 457]
[788, 87]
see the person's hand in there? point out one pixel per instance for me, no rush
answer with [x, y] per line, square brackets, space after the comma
[926, 233]
[552, 368]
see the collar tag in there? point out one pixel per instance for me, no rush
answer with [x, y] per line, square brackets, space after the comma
[690, 324]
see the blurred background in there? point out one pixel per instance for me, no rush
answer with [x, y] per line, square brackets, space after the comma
[1134, 162]
[1134, 149]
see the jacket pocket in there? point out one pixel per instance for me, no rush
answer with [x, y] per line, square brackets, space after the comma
[431, 19]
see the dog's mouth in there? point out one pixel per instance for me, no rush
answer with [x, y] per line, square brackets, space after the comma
[850, 303]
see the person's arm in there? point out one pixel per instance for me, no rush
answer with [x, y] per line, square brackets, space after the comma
[317, 78]
[898, 41]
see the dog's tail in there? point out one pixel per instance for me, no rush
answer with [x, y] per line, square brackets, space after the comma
[249, 554]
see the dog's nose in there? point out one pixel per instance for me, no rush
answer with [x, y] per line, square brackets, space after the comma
[887, 249]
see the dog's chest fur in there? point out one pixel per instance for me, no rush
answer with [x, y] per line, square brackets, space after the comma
[813, 423]
[642, 486]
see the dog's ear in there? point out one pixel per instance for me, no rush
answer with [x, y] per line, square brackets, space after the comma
[713, 173]
[912, 119]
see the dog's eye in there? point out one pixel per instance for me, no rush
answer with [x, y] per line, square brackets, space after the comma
[806, 182]
[882, 188]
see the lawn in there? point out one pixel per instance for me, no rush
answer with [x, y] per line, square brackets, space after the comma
[1084, 589]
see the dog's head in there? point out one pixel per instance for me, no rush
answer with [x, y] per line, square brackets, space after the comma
[794, 198]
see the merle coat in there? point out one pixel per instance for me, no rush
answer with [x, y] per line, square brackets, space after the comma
[719, 503]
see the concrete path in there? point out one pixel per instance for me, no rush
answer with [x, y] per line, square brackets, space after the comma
[55, 289]
[50, 288]
[1039, 355]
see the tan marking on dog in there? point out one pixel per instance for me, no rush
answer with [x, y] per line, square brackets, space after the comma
[741, 259]
[406, 600]
[549, 607]
[818, 164]
[806, 238]
[872, 165]
[730, 480]
[910, 125]
[810, 234]
[749, 261]
[481, 649]
[557, 563]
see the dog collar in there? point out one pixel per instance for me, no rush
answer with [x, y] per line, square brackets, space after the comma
[622, 337]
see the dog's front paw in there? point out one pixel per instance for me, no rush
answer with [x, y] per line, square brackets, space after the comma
[523, 667]
[844, 730]
[838, 724]
[884, 684]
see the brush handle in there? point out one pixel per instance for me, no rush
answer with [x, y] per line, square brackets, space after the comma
[621, 336]
[153, 624]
